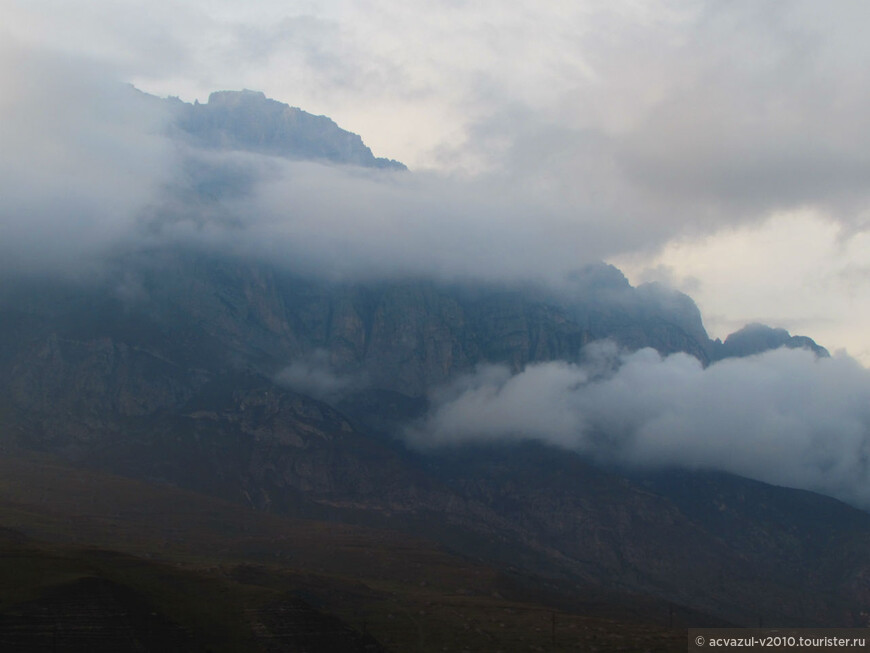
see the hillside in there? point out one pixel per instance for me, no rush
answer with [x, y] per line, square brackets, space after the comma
[108, 563]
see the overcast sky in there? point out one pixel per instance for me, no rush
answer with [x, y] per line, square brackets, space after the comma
[722, 147]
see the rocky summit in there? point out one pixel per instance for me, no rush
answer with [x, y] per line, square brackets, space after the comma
[248, 121]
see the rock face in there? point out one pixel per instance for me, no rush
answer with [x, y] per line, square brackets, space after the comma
[197, 312]
[250, 122]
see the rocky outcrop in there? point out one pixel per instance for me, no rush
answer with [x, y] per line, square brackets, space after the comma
[248, 121]
[757, 338]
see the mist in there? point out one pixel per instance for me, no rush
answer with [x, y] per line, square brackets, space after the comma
[785, 417]
[313, 375]
[81, 159]
[92, 167]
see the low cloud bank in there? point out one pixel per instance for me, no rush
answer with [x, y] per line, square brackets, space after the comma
[88, 167]
[783, 417]
[602, 131]
[93, 171]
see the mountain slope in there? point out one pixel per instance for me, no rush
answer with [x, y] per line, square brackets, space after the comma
[133, 561]
[171, 400]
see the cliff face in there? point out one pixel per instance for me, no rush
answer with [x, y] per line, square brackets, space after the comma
[81, 356]
[404, 337]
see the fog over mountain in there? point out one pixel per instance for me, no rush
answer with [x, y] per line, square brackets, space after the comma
[786, 417]
[92, 169]
[654, 132]
[481, 306]
[72, 190]
[83, 158]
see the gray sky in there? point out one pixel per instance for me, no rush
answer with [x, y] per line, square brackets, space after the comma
[720, 146]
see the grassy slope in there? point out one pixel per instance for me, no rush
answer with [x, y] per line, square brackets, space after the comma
[214, 568]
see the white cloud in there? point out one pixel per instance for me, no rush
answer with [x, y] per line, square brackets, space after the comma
[81, 156]
[314, 376]
[783, 417]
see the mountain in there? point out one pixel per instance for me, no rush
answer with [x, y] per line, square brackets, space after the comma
[757, 338]
[286, 394]
[178, 386]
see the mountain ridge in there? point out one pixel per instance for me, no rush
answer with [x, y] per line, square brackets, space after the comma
[249, 121]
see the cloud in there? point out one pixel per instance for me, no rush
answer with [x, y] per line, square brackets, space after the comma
[81, 156]
[715, 117]
[601, 127]
[362, 224]
[90, 170]
[784, 417]
[314, 376]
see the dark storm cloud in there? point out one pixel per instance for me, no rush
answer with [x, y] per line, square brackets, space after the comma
[784, 417]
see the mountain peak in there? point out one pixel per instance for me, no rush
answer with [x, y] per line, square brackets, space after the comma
[756, 338]
[248, 121]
